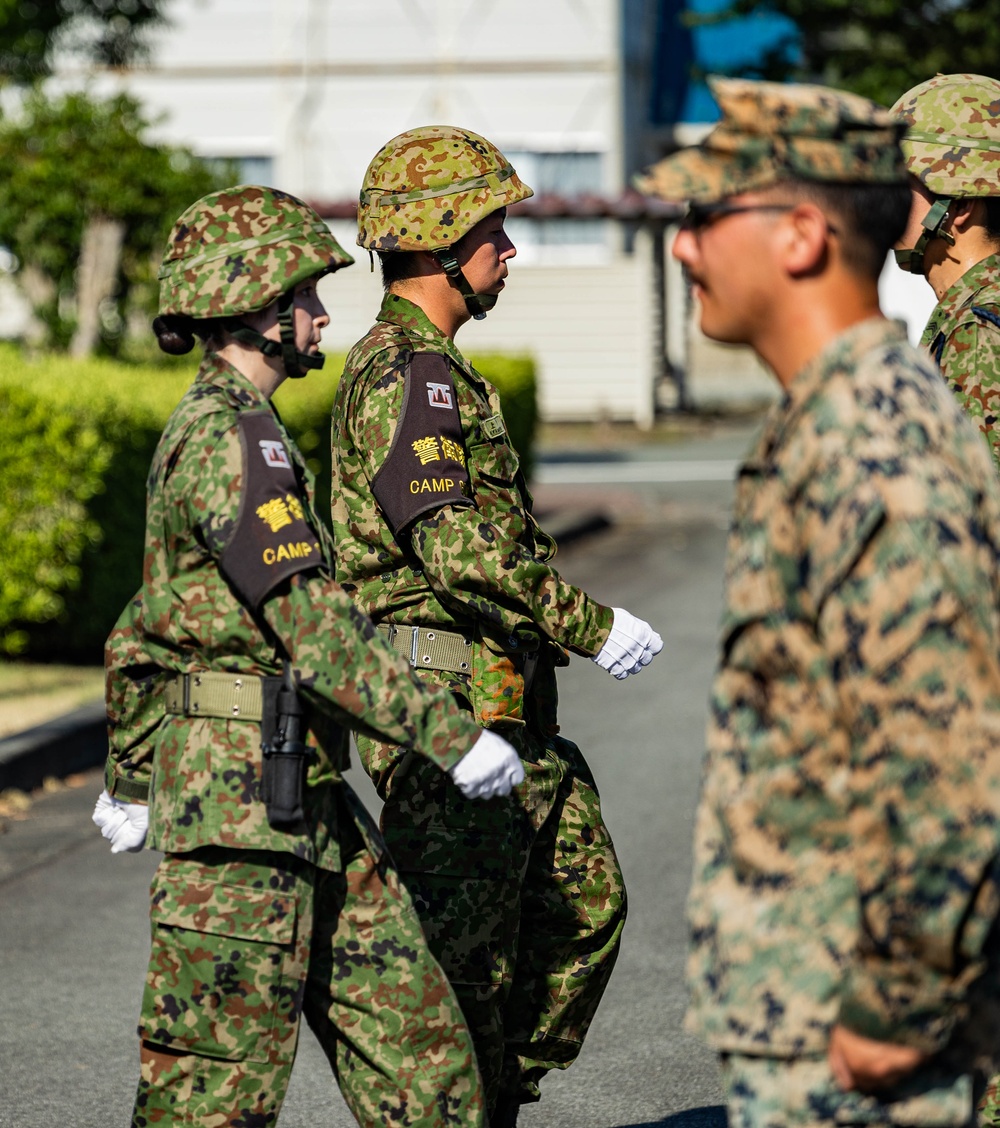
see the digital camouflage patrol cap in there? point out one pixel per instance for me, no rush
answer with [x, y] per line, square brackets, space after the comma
[772, 131]
[235, 251]
[952, 143]
[428, 187]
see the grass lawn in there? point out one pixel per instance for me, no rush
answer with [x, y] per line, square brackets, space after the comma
[32, 693]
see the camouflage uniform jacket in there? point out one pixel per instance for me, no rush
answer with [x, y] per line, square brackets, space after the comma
[963, 336]
[847, 832]
[193, 614]
[472, 559]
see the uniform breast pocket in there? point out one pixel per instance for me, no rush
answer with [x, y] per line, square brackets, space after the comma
[217, 980]
[493, 465]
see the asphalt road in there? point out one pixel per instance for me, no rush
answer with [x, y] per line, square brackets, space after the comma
[73, 928]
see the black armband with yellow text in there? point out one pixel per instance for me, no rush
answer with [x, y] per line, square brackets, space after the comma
[425, 467]
[272, 539]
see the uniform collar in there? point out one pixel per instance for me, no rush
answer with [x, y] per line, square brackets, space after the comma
[842, 354]
[218, 372]
[962, 294]
[419, 328]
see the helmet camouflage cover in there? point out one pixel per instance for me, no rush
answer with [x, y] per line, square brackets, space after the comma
[237, 250]
[428, 187]
[953, 142]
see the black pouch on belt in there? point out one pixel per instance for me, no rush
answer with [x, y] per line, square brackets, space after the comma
[285, 753]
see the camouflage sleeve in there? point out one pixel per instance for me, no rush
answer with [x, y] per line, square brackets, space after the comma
[344, 663]
[919, 692]
[133, 697]
[474, 567]
[970, 360]
[478, 571]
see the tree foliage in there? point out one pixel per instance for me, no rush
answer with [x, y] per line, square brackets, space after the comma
[70, 159]
[883, 47]
[106, 31]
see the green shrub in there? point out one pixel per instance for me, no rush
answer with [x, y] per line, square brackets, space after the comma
[515, 380]
[76, 440]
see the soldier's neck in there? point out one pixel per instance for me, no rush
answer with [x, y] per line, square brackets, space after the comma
[440, 301]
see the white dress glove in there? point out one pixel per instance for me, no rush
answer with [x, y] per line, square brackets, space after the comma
[630, 646]
[491, 767]
[124, 825]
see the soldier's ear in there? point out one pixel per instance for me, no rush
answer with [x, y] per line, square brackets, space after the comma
[803, 234]
[965, 213]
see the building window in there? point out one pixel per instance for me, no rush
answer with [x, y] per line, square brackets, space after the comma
[247, 170]
[256, 170]
[558, 241]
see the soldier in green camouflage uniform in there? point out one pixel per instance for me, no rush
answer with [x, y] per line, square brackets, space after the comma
[952, 149]
[275, 896]
[522, 900]
[844, 900]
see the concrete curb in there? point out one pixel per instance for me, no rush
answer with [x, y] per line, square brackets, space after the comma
[71, 743]
[78, 740]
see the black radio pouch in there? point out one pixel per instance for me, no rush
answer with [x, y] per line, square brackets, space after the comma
[285, 753]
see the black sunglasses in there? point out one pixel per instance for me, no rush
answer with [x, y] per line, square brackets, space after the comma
[699, 216]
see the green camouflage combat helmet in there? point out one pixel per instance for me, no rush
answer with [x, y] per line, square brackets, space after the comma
[236, 251]
[952, 146]
[428, 187]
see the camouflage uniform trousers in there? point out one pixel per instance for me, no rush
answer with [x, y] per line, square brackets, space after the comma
[521, 898]
[767, 1092]
[244, 942]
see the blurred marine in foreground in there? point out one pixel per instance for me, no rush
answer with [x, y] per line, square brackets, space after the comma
[845, 891]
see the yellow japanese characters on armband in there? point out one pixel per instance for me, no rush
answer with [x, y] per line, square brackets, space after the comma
[279, 512]
[275, 513]
[451, 449]
[427, 449]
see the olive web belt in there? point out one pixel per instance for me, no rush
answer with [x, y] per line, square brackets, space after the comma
[429, 648]
[216, 695]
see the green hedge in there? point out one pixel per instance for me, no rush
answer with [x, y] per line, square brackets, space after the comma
[76, 440]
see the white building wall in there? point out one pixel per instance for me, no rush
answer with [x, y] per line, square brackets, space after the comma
[319, 85]
[587, 329]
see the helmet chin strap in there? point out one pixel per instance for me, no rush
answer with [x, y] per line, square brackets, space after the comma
[296, 364]
[912, 258]
[477, 304]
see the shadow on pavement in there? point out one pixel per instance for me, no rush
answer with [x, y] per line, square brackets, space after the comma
[709, 1116]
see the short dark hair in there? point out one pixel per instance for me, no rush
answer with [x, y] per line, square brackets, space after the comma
[992, 223]
[870, 218]
[398, 266]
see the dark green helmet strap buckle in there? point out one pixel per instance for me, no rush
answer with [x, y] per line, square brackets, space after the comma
[476, 304]
[912, 259]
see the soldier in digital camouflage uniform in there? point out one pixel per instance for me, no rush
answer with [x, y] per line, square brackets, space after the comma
[275, 897]
[522, 899]
[952, 149]
[845, 890]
